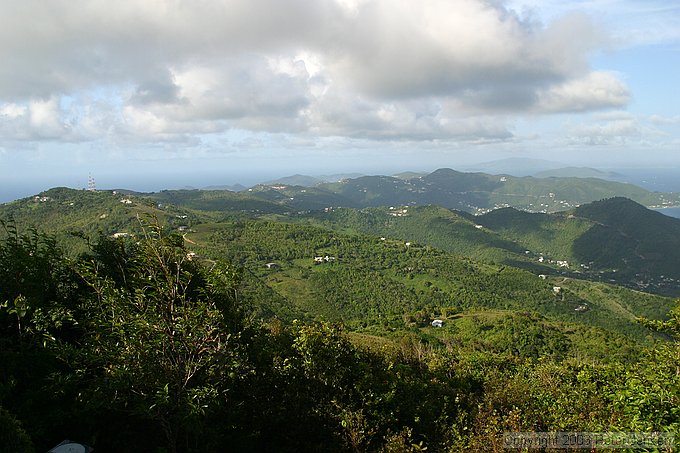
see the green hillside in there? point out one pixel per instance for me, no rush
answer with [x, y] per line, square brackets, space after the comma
[615, 239]
[369, 283]
[373, 191]
[453, 231]
[217, 200]
[480, 192]
[62, 211]
[548, 235]
[470, 192]
[140, 342]
[404, 259]
[298, 198]
[631, 249]
[225, 320]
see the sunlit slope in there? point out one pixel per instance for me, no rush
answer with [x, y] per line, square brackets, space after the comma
[363, 280]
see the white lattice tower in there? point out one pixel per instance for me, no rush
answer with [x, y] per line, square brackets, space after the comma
[91, 185]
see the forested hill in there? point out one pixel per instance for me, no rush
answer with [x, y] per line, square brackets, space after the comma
[479, 192]
[214, 321]
[615, 240]
[635, 238]
[469, 192]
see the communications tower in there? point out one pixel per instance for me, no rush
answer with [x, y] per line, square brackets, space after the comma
[91, 185]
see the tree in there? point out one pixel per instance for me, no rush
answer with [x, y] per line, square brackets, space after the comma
[650, 397]
[12, 435]
[671, 327]
[36, 284]
[160, 334]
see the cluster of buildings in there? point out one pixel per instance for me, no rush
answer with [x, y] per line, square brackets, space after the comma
[398, 212]
[323, 259]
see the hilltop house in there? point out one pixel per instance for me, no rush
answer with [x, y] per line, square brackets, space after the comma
[323, 259]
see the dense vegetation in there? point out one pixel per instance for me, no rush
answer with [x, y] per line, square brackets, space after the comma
[135, 345]
[247, 326]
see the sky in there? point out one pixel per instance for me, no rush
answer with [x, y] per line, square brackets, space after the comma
[153, 94]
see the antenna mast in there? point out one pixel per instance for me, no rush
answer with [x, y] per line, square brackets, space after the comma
[91, 185]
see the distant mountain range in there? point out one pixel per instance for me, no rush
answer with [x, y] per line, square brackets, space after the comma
[513, 166]
[475, 193]
[470, 192]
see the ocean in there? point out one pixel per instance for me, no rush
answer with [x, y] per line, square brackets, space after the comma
[655, 179]
[671, 212]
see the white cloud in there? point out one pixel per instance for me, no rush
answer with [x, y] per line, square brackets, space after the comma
[381, 69]
[45, 117]
[37, 120]
[403, 48]
[12, 111]
[618, 128]
[596, 90]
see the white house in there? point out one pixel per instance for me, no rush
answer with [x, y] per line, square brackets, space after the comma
[322, 259]
[437, 323]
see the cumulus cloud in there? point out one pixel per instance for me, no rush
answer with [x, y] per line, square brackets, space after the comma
[618, 128]
[38, 120]
[596, 90]
[383, 69]
[403, 48]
